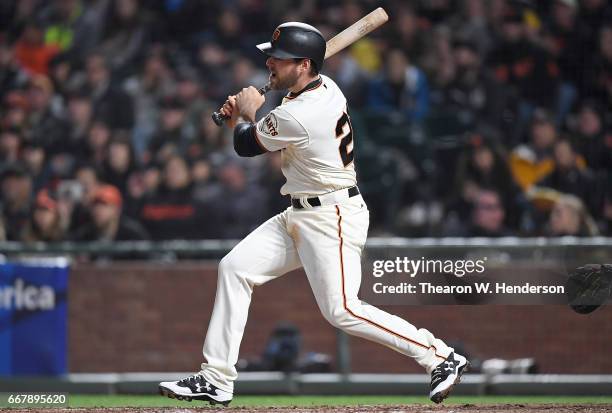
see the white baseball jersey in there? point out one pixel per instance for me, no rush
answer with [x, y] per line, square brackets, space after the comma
[313, 130]
[314, 133]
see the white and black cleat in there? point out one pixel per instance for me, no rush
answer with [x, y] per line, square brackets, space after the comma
[195, 387]
[446, 375]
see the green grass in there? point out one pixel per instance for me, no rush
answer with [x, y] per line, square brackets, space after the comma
[80, 400]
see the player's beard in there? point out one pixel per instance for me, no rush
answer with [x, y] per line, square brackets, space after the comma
[285, 81]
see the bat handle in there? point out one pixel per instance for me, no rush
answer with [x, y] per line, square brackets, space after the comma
[219, 118]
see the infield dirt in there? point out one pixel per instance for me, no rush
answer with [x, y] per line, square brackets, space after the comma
[464, 408]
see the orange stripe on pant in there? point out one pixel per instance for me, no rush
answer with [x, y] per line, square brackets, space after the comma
[363, 318]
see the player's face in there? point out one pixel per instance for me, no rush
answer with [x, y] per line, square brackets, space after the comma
[283, 73]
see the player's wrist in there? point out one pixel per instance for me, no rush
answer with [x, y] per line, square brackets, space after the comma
[248, 116]
[242, 119]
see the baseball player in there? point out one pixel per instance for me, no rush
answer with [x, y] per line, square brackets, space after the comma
[324, 230]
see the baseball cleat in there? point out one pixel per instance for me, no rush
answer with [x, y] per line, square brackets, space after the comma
[446, 375]
[194, 387]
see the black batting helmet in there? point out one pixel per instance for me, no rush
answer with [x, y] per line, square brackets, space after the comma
[295, 40]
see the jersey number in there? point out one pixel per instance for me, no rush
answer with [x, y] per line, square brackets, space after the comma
[346, 142]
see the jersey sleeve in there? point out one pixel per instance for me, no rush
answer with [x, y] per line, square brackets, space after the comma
[278, 130]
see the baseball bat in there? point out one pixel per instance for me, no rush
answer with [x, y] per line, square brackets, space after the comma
[346, 37]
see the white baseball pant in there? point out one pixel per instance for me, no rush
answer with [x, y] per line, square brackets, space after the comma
[327, 241]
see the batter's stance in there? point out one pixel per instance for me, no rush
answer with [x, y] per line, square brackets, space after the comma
[324, 230]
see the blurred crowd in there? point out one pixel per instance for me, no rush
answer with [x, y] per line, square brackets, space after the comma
[470, 117]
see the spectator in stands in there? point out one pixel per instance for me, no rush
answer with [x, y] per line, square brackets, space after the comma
[80, 116]
[406, 32]
[438, 61]
[134, 194]
[172, 212]
[171, 137]
[31, 51]
[152, 178]
[209, 137]
[148, 87]
[213, 62]
[143, 185]
[598, 80]
[16, 187]
[241, 207]
[15, 112]
[34, 158]
[568, 37]
[61, 73]
[73, 205]
[10, 71]
[98, 139]
[16, 17]
[124, 35]
[45, 223]
[524, 68]
[367, 55]
[402, 88]
[61, 166]
[119, 163]
[486, 219]
[45, 124]
[471, 90]
[108, 222]
[229, 35]
[593, 14]
[61, 17]
[483, 166]
[488, 216]
[111, 103]
[10, 145]
[570, 217]
[202, 174]
[88, 177]
[590, 139]
[571, 176]
[190, 94]
[473, 24]
[531, 162]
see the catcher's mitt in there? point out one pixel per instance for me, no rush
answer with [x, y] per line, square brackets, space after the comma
[588, 287]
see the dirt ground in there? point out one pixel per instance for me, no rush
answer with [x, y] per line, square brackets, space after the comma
[466, 408]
